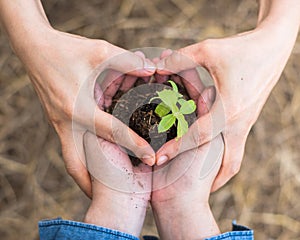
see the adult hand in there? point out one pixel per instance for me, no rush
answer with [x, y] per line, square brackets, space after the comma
[245, 68]
[60, 66]
[60, 77]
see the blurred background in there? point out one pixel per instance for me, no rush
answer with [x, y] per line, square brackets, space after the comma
[33, 181]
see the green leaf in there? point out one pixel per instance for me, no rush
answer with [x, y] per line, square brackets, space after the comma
[162, 109]
[175, 110]
[174, 86]
[188, 107]
[168, 97]
[181, 101]
[182, 126]
[166, 123]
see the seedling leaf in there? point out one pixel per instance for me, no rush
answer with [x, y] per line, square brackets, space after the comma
[182, 127]
[173, 101]
[162, 109]
[168, 97]
[174, 86]
[188, 107]
[166, 123]
[181, 101]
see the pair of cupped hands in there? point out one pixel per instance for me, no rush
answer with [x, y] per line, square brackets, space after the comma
[62, 73]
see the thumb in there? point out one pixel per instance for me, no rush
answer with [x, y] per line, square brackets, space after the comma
[123, 61]
[176, 62]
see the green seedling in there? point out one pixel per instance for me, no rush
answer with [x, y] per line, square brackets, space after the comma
[173, 107]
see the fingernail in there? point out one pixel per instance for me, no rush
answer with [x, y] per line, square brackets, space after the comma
[161, 160]
[148, 160]
[149, 66]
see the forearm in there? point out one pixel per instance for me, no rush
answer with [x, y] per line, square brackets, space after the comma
[275, 36]
[281, 17]
[24, 21]
[285, 9]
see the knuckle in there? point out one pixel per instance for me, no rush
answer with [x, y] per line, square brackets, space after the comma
[103, 47]
[100, 50]
[207, 46]
[176, 58]
[208, 51]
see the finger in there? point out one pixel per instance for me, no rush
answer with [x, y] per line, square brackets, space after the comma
[205, 101]
[177, 79]
[128, 80]
[232, 159]
[166, 53]
[175, 63]
[110, 85]
[201, 131]
[161, 78]
[155, 60]
[192, 82]
[114, 79]
[140, 54]
[129, 62]
[113, 130]
[146, 79]
[128, 83]
[74, 158]
[110, 91]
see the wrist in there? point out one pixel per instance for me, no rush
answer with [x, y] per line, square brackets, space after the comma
[116, 210]
[184, 220]
[276, 39]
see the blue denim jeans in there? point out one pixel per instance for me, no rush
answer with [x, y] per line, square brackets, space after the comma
[58, 229]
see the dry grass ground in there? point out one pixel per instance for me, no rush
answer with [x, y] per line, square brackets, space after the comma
[33, 182]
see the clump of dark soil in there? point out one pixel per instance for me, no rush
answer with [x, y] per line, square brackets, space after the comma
[135, 110]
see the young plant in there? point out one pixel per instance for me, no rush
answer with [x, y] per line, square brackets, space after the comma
[173, 107]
